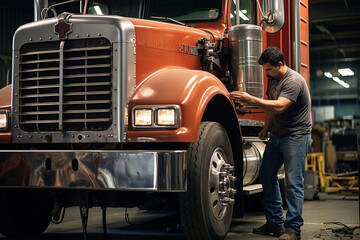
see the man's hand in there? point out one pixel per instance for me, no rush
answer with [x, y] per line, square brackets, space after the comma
[263, 134]
[277, 106]
[240, 97]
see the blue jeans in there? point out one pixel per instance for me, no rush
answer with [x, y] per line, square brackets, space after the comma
[290, 151]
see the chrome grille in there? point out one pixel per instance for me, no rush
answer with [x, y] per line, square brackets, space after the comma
[80, 100]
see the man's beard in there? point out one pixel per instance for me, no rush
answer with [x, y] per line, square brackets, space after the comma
[270, 77]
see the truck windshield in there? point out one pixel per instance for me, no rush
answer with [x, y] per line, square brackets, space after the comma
[185, 10]
[125, 8]
[161, 10]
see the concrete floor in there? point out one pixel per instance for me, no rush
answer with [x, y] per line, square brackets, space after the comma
[331, 208]
[163, 225]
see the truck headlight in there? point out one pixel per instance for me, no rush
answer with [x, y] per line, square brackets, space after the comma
[4, 120]
[156, 117]
[143, 117]
[166, 117]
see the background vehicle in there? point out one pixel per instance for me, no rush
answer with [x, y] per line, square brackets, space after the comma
[117, 102]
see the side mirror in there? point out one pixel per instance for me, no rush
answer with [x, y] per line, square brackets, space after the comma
[272, 15]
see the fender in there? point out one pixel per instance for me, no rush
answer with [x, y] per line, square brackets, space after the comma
[5, 104]
[190, 89]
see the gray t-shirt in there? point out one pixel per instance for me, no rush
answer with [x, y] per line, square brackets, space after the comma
[296, 119]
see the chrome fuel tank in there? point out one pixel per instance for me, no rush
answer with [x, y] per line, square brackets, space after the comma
[252, 156]
[253, 152]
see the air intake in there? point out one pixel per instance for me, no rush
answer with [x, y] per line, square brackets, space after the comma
[245, 43]
[65, 89]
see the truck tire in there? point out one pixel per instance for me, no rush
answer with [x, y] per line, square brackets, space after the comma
[203, 215]
[23, 213]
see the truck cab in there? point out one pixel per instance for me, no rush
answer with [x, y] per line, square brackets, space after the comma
[115, 102]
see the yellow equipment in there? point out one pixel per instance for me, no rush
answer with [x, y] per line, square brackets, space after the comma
[338, 182]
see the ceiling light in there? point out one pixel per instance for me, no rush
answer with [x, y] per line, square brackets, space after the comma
[346, 72]
[323, 29]
[327, 74]
[341, 82]
[336, 79]
[243, 16]
[98, 10]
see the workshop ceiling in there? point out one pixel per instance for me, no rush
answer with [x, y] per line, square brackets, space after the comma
[334, 32]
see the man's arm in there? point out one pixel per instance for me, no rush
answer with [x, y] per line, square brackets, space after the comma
[270, 106]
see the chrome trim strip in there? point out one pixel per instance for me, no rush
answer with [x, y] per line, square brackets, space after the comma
[88, 93]
[39, 87]
[40, 95]
[40, 70]
[88, 111]
[39, 104]
[39, 52]
[85, 57]
[40, 121]
[86, 66]
[87, 120]
[61, 84]
[67, 121]
[88, 75]
[295, 36]
[87, 49]
[39, 113]
[253, 139]
[251, 123]
[40, 78]
[159, 171]
[87, 84]
[252, 189]
[87, 102]
[40, 61]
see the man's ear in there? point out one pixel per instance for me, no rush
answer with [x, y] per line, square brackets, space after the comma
[280, 64]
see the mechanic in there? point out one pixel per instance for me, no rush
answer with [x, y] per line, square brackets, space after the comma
[288, 120]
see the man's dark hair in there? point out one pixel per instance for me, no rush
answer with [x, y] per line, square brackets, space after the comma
[271, 55]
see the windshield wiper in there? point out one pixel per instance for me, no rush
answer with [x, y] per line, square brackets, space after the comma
[167, 18]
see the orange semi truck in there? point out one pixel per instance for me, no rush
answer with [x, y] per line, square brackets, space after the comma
[115, 103]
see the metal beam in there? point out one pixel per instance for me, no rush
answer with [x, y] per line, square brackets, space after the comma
[328, 47]
[338, 60]
[338, 35]
[335, 18]
[335, 97]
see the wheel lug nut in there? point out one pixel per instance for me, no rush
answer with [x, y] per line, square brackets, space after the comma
[233, 191]
[232, 178]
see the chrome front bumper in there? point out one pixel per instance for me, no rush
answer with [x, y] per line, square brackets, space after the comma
[101, 170]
